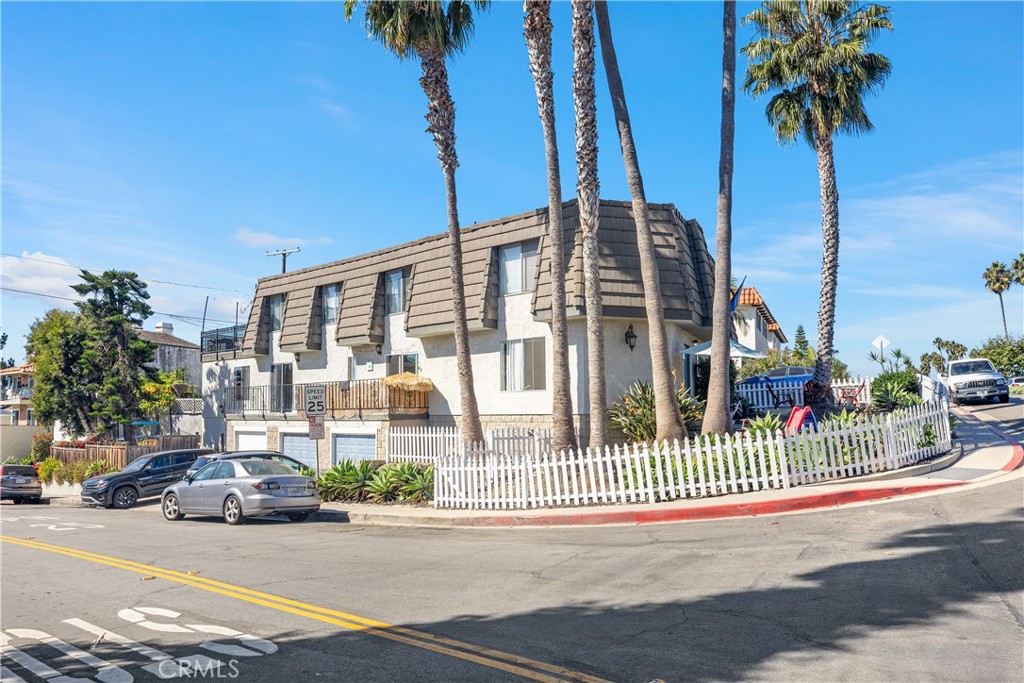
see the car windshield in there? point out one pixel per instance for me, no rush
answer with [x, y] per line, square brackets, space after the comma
[137, 465]
[969, 368]
[19, 470]
[267, 468]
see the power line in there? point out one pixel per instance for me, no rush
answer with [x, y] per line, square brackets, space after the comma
[162, 282]
[178, 316]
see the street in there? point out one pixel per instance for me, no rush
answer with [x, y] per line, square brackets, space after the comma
[926, 588]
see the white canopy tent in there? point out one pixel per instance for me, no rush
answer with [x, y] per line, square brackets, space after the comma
[736, 350]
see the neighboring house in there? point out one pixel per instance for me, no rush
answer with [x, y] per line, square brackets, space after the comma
[762, 331]
[350, 323]
[173, 352]
[17, 425]
[16, 385]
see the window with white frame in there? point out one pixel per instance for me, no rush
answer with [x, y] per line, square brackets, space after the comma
[329, 296]
[404, 362]
[396, 290]
[522, 365]
[276, 312]
[517, 267]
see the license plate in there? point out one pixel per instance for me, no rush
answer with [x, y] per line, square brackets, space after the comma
[21, 481]
[294, 491]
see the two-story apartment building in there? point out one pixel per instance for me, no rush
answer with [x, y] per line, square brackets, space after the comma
[351, 323]
[762, 331]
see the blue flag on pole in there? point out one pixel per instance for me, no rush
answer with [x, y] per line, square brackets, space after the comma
[736, 296]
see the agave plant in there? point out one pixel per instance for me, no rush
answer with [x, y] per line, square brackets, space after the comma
[355, 480]
[419, 487]
[384, 485]
[767, 425]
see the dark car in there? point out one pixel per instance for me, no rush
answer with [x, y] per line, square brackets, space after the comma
[144, 477]
[20, 483]
[204, 460]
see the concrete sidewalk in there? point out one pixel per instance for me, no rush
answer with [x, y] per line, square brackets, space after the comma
[980, 453]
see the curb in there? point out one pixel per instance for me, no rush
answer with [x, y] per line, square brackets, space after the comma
[1018, 450]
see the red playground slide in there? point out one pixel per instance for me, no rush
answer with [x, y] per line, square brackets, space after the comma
[797, 417]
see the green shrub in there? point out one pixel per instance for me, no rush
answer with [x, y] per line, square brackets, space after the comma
[384, 485]
[635, 417]
[41, 444]
[27, 460]
[96, 468]
[419, 487]
[47, 468]
[891, 390]
[766, 425]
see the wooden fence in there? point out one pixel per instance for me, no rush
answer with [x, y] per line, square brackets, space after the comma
[760, 394]
[119, 455]
[425, 444]
[699, 467]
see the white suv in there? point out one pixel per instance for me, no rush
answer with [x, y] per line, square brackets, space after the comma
[975, 378]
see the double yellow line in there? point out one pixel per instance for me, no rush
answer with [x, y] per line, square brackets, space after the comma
[520, 666]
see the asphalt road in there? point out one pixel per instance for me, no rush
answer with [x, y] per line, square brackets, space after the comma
[922, 589]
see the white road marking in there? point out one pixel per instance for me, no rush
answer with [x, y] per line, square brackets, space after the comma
[104, 634]
[138, 616]
[8, 676]
[106, 673]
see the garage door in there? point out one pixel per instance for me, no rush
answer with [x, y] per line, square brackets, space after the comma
[250, 441]
[353, 447]
[300, 447]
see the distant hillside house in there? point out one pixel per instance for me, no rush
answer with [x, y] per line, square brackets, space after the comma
[351, 323]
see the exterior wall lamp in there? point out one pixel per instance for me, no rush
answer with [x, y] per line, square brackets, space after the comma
[631, 338]
[380, 349]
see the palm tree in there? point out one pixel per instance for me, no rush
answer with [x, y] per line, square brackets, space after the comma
[998, 279]
[1017, 269]
[433, 31]
[588, 192]
[666, 409]
[717, 416]
[537, 30]
[814, 53]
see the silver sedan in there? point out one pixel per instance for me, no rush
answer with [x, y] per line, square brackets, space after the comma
[236, 489]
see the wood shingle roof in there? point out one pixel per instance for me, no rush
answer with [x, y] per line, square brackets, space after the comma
[685, 267]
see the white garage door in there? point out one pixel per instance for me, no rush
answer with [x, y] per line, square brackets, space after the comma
[354, 447]
[250, 441]
[300, 447]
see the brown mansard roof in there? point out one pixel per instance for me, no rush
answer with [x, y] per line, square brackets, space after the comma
[685, 266]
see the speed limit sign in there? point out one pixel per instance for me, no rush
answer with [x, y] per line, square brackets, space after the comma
[316, 399]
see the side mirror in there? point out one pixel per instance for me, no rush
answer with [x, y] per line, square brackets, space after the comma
[188, 478]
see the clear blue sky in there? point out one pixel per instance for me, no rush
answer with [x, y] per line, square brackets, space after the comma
[184, 140]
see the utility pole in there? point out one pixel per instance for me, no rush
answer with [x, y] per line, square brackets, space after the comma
[283, 253]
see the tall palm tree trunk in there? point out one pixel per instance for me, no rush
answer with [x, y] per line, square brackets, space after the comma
[820, 395]
[537, 30]
[588, 192]
[1006, 330]
[441, 119]
[717, 416]
[666, 409]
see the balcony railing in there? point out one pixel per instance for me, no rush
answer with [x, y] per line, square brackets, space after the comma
[355, 397]
[222, 340]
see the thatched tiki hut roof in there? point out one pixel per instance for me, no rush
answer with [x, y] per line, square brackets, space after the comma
[409, 382]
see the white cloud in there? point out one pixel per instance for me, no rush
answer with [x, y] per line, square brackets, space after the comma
[252, 238]
[334, 109]
[37, 275]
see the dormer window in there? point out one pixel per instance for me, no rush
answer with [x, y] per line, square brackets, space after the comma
[330, 296]
[396, 290]
[517, 266]
[276, 312]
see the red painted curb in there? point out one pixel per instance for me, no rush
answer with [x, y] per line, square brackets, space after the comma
[707, 512]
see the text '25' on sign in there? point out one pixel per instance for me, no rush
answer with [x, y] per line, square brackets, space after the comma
[316, 399]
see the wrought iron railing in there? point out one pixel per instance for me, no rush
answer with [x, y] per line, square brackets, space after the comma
[223, 339]
[356, 396]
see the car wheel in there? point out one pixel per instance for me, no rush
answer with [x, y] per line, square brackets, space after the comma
[299, 516]
[1005, 398]
[171, 508]
[16, 501]
[125, 497]
[233, 511]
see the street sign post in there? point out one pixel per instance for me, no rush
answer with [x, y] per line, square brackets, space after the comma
[316, 399]
[316, 427]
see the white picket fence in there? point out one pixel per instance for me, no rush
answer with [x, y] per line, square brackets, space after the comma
[425, 444]
[759, 395]
[699, 467]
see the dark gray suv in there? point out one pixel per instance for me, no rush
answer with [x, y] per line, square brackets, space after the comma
[146, 476]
